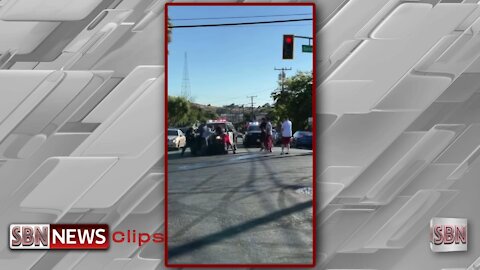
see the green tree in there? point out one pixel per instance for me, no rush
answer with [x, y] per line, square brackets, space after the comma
[198, 114]
[295, 100]
[178, 111]
[182, 112]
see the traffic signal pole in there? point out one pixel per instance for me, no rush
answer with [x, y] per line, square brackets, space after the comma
[309, 38]
[288, 47]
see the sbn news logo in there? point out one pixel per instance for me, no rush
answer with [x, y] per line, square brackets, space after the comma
[58, 236]
[448, 234]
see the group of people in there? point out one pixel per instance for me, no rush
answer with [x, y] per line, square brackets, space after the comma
[266, 135]
[205, 137]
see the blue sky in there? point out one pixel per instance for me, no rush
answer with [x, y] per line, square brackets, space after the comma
[227, 64]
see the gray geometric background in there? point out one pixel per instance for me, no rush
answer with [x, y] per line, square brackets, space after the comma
[398, 110]
[81, 125]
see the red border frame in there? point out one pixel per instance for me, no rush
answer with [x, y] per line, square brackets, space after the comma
[314, 141]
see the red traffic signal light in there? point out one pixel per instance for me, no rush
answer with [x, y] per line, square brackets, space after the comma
[288, 47]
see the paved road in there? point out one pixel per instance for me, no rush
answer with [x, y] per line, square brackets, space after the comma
[245, 208]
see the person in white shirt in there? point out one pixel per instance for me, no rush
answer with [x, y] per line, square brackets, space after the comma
[286, 135]
[205, 133]
[269, 137]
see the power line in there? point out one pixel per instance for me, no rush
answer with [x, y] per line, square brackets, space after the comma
[233, 24]
[275, 25]
[241, 17]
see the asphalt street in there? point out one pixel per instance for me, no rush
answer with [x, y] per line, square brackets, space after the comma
[247, 208]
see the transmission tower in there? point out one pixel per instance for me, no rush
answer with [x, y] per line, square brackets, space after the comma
[185, 92]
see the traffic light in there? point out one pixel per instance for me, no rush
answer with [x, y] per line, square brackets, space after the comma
[288, 47]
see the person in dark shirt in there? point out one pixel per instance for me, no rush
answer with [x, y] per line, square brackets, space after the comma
[263, 134]
[190, 140]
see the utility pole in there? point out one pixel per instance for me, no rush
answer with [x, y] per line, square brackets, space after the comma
[251, 100]
[282, 75]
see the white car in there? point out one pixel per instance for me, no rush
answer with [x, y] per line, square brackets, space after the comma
[176, 139]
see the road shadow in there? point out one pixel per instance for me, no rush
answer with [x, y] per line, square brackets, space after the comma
[235, 230]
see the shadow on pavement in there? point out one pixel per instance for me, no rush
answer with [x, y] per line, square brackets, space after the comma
[218, 236]
[237, 159]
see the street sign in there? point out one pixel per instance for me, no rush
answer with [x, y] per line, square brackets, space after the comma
[307, 48]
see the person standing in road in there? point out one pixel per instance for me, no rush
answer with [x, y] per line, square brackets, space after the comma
[190, 140]
[286, 135]
[269, 137]
[263, 134]
[205, 133]
[219, 131]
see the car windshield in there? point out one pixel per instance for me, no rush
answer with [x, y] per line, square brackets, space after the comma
[254, 128]
[172, 132]
[214, 125]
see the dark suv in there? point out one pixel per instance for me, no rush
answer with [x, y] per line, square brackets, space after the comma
[252, 136]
